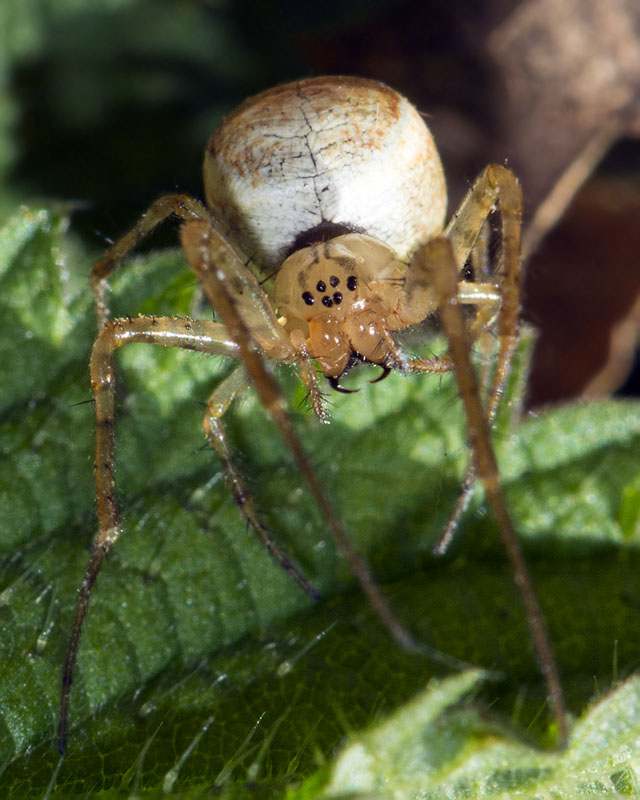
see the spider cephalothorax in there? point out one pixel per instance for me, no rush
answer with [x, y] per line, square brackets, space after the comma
[345, 296]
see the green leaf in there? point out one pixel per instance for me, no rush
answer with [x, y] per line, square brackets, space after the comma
[439, 746]
[201, 663]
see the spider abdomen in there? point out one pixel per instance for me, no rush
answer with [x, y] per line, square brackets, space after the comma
[324, 156]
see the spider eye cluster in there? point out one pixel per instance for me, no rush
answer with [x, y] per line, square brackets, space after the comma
[326, 278]
[324, 294]
[336, 278]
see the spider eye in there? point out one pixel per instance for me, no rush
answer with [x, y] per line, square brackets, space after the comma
[321, 286]
[327, 301]
[308, 298]
[352, 282]
[334, 281]
[337, 298]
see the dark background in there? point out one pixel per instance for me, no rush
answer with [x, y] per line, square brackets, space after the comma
[110, 105]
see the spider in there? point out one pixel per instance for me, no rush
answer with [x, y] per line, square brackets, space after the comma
[335, 186]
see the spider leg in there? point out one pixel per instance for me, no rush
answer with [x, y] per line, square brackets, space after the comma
[208, 254]
[199, 240]
[438, 258]
[309, 376]
[487, 298]
[495, 186]
[216, 436]
[182, 205]
[488, 303]
[201, 335]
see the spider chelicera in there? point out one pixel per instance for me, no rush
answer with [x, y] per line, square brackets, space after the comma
[335, 186]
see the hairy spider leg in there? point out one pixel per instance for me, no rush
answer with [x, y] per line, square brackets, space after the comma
[267, 332]
[438, 258]
[495, 187]
[436, 266]
[182, 205]
[212, 258]
[208, 337]
[218, 403]
[201, 335]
